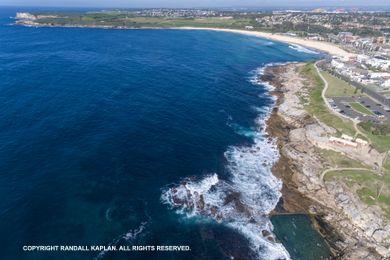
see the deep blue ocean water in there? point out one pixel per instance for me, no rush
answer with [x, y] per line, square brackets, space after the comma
[95, 124]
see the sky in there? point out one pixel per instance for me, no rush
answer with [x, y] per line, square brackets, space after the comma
[193, 3]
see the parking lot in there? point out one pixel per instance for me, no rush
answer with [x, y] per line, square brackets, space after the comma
[342, 105]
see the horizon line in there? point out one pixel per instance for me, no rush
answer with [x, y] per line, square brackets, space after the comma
[204, 7]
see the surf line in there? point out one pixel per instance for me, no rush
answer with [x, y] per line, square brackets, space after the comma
[251, 192]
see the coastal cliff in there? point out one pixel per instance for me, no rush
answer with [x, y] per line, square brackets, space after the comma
[352, 229]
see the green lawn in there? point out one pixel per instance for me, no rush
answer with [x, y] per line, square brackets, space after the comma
[378, 134]
[317, 108]
[336, 159]
[207, 22]
[371, 188]
[338, 87]
[380, 142]
[361, 109]
[116, 19]
[386, 165]
[317, 105]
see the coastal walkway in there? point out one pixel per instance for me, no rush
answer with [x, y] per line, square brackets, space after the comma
[332, 110]
[343, 169]
[336, 113]
[326, 86]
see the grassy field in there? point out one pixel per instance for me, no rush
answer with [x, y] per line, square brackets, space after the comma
[386, 164]
[317, 106]
[380, 142]
[131, 21]
[371, 188]
[207, 22]
[361, 109]
[338, 87]
[379, 135]
[336, 159]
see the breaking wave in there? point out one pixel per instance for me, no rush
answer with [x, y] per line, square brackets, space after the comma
[302, 49]
[245, 199]
[257, 75]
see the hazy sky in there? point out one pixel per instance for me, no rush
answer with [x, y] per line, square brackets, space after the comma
[192, 3]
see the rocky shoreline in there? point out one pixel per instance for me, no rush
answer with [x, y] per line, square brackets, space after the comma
[351, 229]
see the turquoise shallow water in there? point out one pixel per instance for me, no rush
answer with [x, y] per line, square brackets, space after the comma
[299, 237]
[97, 124]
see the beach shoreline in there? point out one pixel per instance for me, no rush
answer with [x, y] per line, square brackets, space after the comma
[321, 46]
[326, 47]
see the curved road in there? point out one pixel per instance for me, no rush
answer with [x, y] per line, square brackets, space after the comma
[326, 85]
[330, 108]
[354, 121]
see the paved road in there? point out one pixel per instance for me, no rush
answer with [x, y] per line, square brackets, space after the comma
[375, 107]
[340, 106]
[335, 112]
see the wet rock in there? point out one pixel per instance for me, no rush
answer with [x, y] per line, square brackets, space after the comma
[213, 210]
[234, 197]
[353, 229]
[265, 233]
[271, 238]
[201, 203]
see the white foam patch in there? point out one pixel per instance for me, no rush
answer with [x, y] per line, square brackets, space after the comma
[264, 248]
[129, 237]
[244, 201]
[257, 74]
[256, 78]
[302, 49]
[244, 131]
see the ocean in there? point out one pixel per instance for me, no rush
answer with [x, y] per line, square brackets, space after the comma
[112, 137]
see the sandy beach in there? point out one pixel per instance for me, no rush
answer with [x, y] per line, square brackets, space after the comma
[327, 47]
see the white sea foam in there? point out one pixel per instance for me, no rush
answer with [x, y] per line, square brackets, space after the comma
[257, 74]
[244, 201]
[133, 234]
[302, 49]
[129, 237]
[244, 131]
[256, 77]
